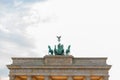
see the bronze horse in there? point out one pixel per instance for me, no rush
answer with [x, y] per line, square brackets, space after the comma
[50, 50]
[68, 50]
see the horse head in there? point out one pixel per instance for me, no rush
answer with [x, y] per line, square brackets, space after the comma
[68, 49]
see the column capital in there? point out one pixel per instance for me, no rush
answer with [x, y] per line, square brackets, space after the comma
[87, 75]
[70, 76]
[106, 76]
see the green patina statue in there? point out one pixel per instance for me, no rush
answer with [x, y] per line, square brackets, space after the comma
[58, 38]
[59, 50]
[50, 50]
[68, 50]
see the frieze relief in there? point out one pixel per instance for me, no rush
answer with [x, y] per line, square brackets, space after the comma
[57, 72]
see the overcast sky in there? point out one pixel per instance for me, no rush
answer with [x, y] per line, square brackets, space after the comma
[91, 27]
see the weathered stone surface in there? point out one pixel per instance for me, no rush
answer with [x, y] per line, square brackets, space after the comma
[28, 61]
[59, 65]
[58, 60]
[57, 72]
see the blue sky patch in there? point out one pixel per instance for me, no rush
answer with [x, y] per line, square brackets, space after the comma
[11, 2]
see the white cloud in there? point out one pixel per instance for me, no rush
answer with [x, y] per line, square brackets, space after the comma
[87, 11]
[17, 3]
[14, 40]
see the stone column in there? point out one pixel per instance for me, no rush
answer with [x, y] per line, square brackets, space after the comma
[69, 78]
[12, 77]
[106, 78]
[29, 77]
[87, 77]
[46, 78]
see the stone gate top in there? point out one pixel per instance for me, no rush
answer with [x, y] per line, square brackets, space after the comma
[59, 67]
[58, 60]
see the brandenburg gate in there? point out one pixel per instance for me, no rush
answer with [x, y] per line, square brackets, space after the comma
[59, 65]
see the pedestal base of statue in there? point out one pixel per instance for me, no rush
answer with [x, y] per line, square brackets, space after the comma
[58, 59]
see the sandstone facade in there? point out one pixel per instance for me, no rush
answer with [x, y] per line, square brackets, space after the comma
[59, 67]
